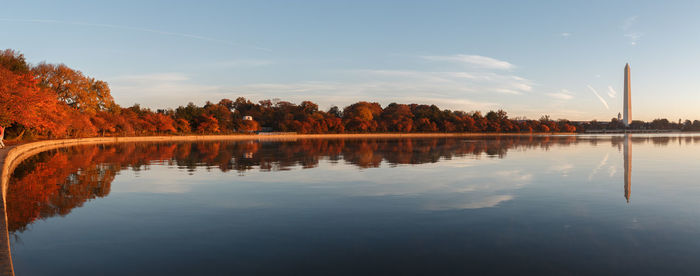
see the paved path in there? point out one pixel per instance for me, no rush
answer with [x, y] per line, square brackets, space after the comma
[5, 253]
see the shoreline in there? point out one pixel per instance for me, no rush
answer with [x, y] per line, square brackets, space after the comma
[18, 150]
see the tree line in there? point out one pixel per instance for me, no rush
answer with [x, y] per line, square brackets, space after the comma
[56, 101]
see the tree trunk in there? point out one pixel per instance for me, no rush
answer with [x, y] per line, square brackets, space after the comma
[19, 136]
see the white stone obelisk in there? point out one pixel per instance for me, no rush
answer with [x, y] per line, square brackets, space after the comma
[627, 108]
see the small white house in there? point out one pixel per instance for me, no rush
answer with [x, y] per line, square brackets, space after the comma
[247, 118]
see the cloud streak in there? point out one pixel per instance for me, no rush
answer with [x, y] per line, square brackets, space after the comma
[563, 95]
[563, 169]
[164, 90]
[467, 90]
[629, 22]
[485, 202]
[599, 97]
[611, 92]
[474, 60]
[474, 82]
[600, 165]
[633, 36]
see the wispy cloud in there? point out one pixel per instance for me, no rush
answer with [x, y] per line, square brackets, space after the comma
[612, 170]
[456, 90]
[139, 29]
[599, 97]
[474, 60]
[611, 92]
[629, 22]
[565, 35]
[563, 169]
[164, 90]
[474, 82]
[484, 202]
[634, 37]
[627, 27]
[158, 90]
[515, 175]
[600, 165]
[562, 95]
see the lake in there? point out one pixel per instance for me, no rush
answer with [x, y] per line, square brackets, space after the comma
[492, 205]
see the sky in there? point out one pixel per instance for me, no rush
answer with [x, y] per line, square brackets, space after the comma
[564, 59]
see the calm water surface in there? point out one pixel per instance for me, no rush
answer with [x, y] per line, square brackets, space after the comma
[448, 206]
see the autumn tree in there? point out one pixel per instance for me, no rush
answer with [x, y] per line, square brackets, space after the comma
[23, 102]
[397, 118]
[182, 125]
[75, 89]
[189, 113]
[249, 126]
[335, 111]
[207, 124]
[360, 116]
[223, 115]
[104, 123]
[163, 123]
[14, 61]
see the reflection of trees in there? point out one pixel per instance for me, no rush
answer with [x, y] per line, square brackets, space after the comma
[54, 182]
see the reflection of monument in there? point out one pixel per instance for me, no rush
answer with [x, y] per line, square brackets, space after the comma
[627, 105]
[627, 151]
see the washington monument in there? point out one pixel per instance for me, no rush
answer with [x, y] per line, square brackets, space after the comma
[627, 108]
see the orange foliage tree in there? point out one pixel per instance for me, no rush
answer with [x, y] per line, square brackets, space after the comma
[23, 102]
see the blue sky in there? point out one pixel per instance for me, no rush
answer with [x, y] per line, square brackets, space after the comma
[562, 58]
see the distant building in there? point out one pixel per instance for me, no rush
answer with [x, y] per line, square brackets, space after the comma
[619, 116]
[247, 118]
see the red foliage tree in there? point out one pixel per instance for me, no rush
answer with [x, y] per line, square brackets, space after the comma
[207, 124]
[249, 126]
[23, 102]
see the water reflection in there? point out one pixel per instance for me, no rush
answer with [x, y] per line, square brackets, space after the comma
[55, 182]
[523, 199]
[627, 155]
